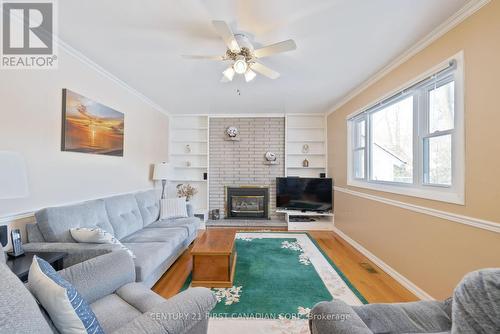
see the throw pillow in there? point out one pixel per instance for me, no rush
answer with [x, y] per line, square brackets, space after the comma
[96, 235]
[173, 208]
[67, 309]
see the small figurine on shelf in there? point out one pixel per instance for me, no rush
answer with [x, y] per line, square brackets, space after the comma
[305, 148]
[188, 148]
[188, 163]
[305, 163]
[186, 190]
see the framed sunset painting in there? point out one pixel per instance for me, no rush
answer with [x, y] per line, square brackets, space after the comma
[90, 127]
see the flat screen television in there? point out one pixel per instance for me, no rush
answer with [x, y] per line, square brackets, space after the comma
[304, 194]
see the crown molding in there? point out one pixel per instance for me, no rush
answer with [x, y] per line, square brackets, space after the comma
[467, 10]
[99, 69]
[452, 217]
[251, 115]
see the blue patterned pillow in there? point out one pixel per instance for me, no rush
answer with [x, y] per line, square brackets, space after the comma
[67, 309]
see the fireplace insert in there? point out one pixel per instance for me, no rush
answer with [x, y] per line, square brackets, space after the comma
[247, 203]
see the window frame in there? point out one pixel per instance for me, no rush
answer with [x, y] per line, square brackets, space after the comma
[360, 148]
[454, 193]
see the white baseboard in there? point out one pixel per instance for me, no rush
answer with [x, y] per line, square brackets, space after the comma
[385, 267]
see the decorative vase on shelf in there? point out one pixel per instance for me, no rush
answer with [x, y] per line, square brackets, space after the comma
[188, 148]
[305, 148]
[188, 163]
[305, 163]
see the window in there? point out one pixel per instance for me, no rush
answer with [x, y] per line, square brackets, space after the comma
[391, 144]
[412, 142]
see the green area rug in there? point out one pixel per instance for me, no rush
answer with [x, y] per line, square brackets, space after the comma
[281, 275]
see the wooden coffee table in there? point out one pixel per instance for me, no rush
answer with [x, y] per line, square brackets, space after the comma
[214, 259]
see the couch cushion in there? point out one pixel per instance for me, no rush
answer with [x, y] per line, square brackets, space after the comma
[170, 235]
[18, 308]
[139, 296]
[33, 233]
[113, 312]
[150, 256]
[123, 214]
[68, 310]
[96, 235]
[54, 223]
[173, 208]
[191, 224]
[149, 205]
[413, 317]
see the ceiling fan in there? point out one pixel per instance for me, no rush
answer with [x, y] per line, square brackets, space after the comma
[242, 55]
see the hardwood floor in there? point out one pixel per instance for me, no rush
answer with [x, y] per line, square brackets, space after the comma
[373, 283]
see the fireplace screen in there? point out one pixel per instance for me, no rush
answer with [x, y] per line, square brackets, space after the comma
[241, 204]
[247, 202]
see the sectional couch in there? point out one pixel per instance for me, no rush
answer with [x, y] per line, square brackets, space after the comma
[131, 218]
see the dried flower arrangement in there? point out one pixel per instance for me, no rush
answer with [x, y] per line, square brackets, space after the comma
[186, 190]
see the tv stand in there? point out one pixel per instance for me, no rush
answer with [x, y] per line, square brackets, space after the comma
[301, 220]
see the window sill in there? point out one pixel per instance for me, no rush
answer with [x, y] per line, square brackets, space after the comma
[427, 192]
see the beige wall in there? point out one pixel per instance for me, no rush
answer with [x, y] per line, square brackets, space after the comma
[30, 123]
[434, 253]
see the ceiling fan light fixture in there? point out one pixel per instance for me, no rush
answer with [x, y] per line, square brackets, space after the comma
[250, 75]
[240, 66]
[229, 73]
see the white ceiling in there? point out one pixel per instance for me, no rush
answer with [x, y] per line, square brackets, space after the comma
[340, 44]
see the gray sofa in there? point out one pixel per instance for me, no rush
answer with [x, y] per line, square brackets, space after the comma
[474, 308]
[121, 305]
[132, 218]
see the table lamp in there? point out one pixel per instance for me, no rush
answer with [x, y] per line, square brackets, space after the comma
[161, 172]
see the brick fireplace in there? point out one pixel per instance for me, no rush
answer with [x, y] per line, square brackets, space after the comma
[242, 163]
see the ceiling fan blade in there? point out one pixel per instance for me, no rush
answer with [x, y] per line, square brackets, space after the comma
[227, 35]
[269, 50]
[265, 71]
[203, 57]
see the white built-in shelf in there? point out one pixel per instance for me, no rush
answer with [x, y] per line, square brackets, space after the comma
[188, 141]
[306, 141]
[302, 167]
[299, 220]
[188, 154]
[306, 154]
[307, 130]
[191, 167]
[190, 130]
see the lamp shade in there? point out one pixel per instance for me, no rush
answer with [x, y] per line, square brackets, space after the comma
[13, 178]
[161, 171]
